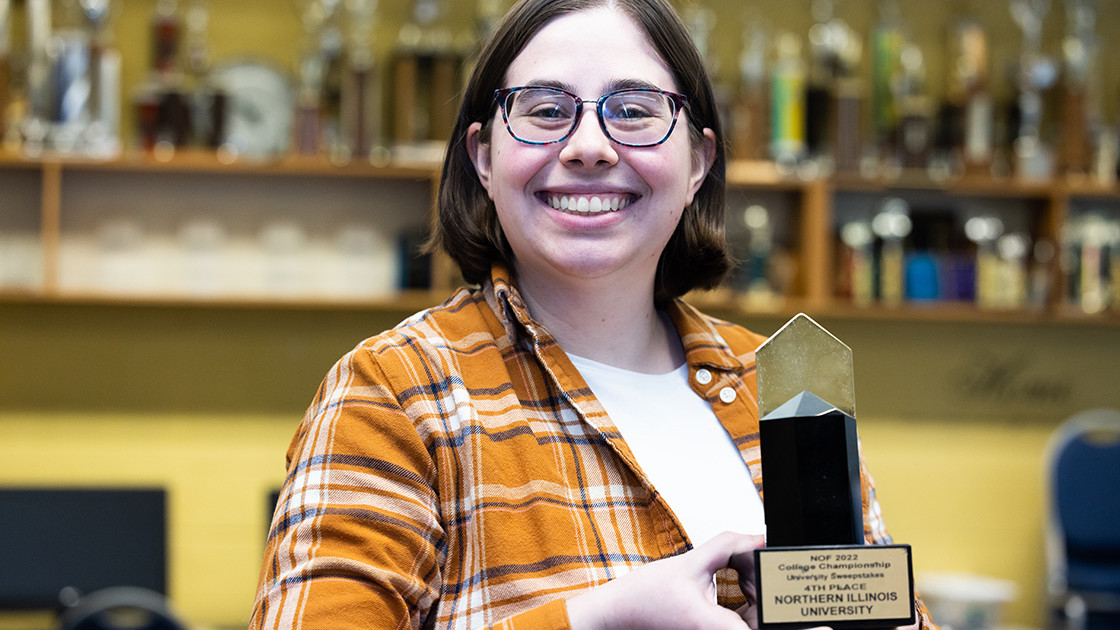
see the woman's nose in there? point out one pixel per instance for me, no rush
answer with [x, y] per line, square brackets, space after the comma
[587, 144]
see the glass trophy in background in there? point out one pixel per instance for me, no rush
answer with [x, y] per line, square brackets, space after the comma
[1079, 105]
[7, 90]
[816, 568]
[750, 112]
[310, 82]
[331, 51]
[102, 133]
[361, 93]
[787, 104]
[425, 84]
[833, 95]
[887, 40]
[37, 115]
[967, 117]
[1033, 159]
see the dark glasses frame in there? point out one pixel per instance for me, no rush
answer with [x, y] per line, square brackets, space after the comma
[679, 102]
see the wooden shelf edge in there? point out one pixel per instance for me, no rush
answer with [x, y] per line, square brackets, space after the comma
[409, 301]
[208, 162]
[719, 303]
[723, 304]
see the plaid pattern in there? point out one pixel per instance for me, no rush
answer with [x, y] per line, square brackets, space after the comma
[456, 472]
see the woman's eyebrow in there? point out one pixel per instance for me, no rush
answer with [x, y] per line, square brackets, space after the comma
[614, 86]
[552, 83]
[630, 84]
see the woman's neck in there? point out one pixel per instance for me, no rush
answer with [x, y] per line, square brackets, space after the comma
[610, 322]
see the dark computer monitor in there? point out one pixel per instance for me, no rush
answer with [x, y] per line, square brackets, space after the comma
[87, 539]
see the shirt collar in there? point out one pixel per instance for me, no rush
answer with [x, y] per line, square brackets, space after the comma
[703, 345]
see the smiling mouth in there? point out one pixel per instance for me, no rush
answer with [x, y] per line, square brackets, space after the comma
[587, 205]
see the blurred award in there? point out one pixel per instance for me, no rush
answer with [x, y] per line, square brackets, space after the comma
[1036, 73]
[816, 569]
[425, 79]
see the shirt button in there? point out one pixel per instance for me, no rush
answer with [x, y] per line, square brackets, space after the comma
[727, 395]
[703, 376]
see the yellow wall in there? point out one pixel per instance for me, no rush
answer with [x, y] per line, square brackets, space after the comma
[217, 471]
[203, 401]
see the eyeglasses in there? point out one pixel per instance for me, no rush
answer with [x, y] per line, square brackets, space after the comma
[633, 117]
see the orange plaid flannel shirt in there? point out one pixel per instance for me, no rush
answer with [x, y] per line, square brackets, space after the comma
[456, 472]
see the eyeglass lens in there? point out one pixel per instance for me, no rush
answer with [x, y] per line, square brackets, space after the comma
[634, 117]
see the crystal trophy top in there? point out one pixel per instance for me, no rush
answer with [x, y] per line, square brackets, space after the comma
[804, 357]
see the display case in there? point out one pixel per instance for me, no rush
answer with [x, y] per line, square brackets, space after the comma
[197, 230]
[301, 231]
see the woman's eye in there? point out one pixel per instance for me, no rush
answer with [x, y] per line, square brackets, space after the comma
[631, 111]
[547, 111]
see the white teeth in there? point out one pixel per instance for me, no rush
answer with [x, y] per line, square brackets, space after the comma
[588, 205]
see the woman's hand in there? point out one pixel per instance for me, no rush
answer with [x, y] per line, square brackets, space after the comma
[676, 593]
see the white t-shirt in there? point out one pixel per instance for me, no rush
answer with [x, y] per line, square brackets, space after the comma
[682, 448]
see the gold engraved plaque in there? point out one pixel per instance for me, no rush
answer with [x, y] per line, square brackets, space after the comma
[835, 586]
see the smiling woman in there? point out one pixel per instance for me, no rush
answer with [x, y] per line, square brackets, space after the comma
[565, 443]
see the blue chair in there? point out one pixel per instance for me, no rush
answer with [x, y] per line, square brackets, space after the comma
[1083, 533]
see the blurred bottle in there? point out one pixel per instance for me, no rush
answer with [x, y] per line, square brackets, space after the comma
[984, 231]
[857, 266]
[891, 225]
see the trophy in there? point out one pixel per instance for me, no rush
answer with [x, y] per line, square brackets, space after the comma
[1079, 103]
[815, 569]
[1036, 74]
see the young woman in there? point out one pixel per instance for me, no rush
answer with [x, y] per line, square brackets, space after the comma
[565, 443]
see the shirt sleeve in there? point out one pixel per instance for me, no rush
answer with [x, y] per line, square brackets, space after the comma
[356, 539]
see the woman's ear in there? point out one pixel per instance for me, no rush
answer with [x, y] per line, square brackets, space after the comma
[703, 156]
[479, 153]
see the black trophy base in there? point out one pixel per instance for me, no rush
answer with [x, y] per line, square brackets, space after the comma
[845, 586]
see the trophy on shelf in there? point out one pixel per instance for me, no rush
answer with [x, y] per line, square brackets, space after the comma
[102, 132]
[1036, 74]
[1079, 87]
[816, 569]
[967, 116]
[832, 96]
[34, 125]
[361, 94]
[425, 83]
[750, 110]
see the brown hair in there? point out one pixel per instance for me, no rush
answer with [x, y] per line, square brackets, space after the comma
[467, 226]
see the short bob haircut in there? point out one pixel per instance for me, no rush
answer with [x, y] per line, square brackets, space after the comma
[467, 227]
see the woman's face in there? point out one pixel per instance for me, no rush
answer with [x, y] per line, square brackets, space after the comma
[589, 53]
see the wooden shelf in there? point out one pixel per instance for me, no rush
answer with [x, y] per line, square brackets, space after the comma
[813, 243]
[405, 301]
[210, 163]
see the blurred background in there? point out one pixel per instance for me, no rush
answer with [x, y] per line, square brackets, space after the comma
[204, 203]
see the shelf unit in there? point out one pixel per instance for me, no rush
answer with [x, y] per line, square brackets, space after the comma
[60, 191]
